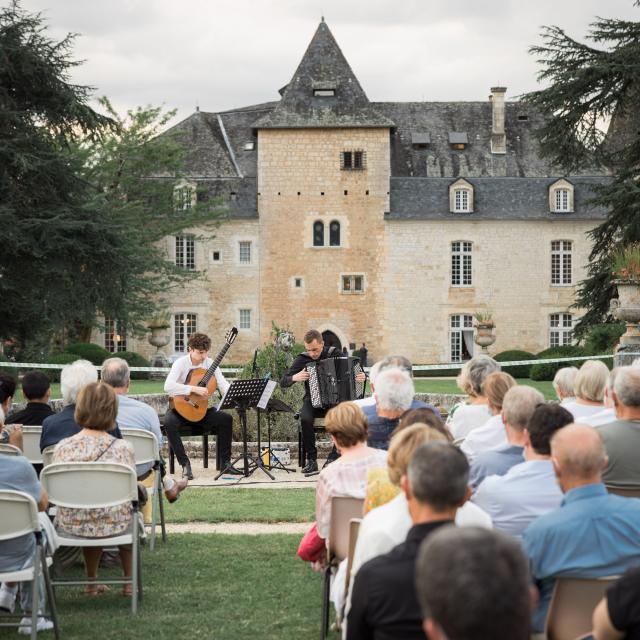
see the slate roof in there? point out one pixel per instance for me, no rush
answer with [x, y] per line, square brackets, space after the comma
[323, 66]
[494, 199]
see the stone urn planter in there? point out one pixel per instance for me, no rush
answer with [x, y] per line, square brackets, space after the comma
[484, 337]
[626, 307]
[159, 338]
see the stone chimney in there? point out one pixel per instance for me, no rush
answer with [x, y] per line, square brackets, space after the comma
[498, 136]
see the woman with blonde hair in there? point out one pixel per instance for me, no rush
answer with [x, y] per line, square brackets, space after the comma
[589, 386]
[492, 433]
[96, 410]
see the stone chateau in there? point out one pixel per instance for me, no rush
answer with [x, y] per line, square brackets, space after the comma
[390, 223]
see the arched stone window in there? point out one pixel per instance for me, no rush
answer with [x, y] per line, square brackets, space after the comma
[318, 233]
[461, 196]
[334, 233]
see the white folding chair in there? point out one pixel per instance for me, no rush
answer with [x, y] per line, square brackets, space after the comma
[343, 510]
[19, 518]
[31, 443]
[97, 485]
[47, 455]
[9, 449]
[146, 450]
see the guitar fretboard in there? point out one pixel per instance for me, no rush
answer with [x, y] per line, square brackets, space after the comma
[212, 369]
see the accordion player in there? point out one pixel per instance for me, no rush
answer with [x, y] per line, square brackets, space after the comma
[333, 381]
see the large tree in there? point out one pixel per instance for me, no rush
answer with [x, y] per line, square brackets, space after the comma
[591, 87]
[80, 224]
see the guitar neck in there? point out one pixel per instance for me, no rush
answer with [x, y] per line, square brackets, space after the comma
[212, 369]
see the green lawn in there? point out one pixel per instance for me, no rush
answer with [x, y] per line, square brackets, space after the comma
[243, 505]
[206, 586]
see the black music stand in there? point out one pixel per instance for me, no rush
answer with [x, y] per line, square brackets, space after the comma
[274, 405]
[242, 395]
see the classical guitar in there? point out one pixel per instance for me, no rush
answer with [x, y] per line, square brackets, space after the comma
[193, 407]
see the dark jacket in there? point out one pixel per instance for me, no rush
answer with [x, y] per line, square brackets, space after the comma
[33, 414]
[301, 362]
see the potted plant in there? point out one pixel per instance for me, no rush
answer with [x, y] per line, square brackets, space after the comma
[484, 325]
[625, 268]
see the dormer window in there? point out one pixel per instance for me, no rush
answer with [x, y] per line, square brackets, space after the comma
[184, 196]
[458, 140]
[353, 160]
[561, 197]
[420, 140]
[461, 197]
[324, 89]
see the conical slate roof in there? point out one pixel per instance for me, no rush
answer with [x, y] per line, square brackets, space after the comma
[323, 67]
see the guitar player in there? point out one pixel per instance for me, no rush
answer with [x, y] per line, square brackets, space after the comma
[176, 384]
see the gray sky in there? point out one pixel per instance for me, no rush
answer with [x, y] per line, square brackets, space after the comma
[221, 54]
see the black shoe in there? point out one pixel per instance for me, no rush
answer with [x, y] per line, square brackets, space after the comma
[228, 469]
[186, 471]
[311, 467]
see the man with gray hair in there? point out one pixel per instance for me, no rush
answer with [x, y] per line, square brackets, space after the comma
[622, 435]
[517, 407]
[458, 599]
[593, 533]
[62, 425]
[133, 414]
[384, 603]
[394, 394]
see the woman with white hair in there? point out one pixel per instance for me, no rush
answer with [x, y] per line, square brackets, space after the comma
[466, 416]
[563, 383]
[589, 388]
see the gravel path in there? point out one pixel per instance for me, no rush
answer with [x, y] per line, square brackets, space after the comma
[242, 528]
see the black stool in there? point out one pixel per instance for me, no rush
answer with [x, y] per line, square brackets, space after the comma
[187, 430]
[318, 427]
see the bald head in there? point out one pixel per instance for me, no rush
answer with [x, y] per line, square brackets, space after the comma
[579, 456]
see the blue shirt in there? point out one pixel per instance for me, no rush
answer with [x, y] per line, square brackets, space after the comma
[526, 492]
[133, 414]
[593, 534]
[380, 429]
[495, 462]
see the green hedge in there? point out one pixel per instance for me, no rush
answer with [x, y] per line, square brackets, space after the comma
[94, 353]
[517, 370]
[135, 360]
[547, 371]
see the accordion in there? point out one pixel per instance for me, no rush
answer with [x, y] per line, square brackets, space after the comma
[333, 380]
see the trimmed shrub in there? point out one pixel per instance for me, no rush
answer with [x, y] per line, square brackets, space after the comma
[547, 371]
[517, 370]
[134, 360]
[94, 353]
[602, 337]
[63, 357]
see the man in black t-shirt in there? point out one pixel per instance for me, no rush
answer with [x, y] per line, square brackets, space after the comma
[315, 350]
[36, 389]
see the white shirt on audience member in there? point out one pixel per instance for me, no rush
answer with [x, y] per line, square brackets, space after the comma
[490, 435]
[605, 416]
[369, 401]
[467, 417]
[514, 500]
[579, 411]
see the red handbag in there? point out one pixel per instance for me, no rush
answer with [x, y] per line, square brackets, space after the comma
[312, 547]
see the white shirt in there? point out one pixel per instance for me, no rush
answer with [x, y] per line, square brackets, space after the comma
[514, 500]
[467, 417]
[369, 401]
[579, 411]
[174, 384]
[605, 416]
[490, 435]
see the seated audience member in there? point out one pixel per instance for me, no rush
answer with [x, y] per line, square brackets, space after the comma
[95, 413]
[589, 387]
[563, 383]
[384, 603]
[394, 395]
[608, 413]
[617, 615]
[473, 584]
[9, 434]
[622, 436]
[36, 389]
[517, 407]
[134, 414]
[17, 474]
[593, 534]
[464, 417]
[61, 425]
[529, 489]
[370, 400]
[347, 476]
[491, 434]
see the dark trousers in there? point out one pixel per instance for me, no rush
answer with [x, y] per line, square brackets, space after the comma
[307, 415]
[214, 421]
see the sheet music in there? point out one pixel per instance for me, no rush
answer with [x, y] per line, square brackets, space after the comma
[223, 398]
[266, 394]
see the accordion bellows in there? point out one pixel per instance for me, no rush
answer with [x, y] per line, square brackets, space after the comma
[333, 380]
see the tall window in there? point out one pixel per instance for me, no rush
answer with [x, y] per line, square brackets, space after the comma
[318, 233]
[562, 200]
[245, 319]
[244, 249]
[184, 325]
[461, 337]
[461, 264]
[334, 234]
[186, 252]
[461, 200]
[115, 335]
[560, 329]
[561, 262]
